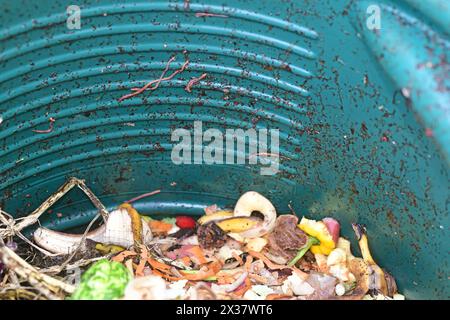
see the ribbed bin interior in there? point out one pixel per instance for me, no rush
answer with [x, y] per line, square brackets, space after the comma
[350, 144]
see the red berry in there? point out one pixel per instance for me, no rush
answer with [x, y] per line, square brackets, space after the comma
[185, 222]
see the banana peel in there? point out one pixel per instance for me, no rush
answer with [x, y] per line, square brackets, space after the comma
[218, 215]
[237, 224]
[376, 277]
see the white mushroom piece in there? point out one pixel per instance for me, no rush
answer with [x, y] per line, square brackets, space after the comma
[124, 227]
[253, 201]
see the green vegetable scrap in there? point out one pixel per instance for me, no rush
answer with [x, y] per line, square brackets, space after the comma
[170, 220]
[104, 280]
[311, 242]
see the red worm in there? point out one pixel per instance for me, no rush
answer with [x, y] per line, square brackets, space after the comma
[127, 96]
[143, 196]
[148, 86]
[193, 81]
[50, 127]
[206, 14]
[183, 67]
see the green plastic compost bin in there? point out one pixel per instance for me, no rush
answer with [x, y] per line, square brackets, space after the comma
[359, 91]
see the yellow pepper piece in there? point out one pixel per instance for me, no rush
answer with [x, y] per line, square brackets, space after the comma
[319, 230]
[321, 249]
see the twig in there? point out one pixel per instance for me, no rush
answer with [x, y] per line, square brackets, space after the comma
[143, 196]
[148, 86]
[83, 239]
[292, 209]
[95, 201]
[14, 278]
[66, 187]
[19, 293]
[47, 253]
[10, 224]
[50, 127]
[50, 287]
[194, 81]
[207, 14]
[77, 264]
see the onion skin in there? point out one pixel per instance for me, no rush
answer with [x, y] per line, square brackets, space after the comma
[240, 280]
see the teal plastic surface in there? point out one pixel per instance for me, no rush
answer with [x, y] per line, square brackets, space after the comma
[363, 114]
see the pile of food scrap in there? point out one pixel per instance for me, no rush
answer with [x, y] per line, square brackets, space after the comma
[246, 253]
